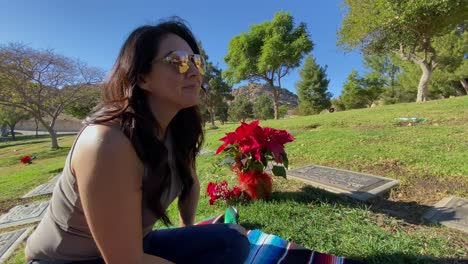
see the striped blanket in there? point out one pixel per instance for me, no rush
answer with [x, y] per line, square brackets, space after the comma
[266, 249]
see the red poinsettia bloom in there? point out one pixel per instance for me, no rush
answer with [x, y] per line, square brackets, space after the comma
[253, 140]
[222, 191]
[252, 147]
[26, 160]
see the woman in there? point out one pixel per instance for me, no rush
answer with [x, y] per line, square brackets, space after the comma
[134, 157]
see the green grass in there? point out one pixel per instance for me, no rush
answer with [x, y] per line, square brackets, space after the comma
[428, 158]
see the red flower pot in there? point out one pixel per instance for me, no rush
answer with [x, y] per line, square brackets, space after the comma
[256, 185]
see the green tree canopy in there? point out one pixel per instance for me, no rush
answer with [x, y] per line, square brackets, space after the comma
[405, 27]
[263, 107]
[90, 96]
[312, 89]
[222, 113]
[240, 109]
[217, 90]
[268, 52]
[11, 115]
[353, 95]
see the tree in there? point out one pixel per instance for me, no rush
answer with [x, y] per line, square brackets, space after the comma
[221, 113]
[361, 92]
[283, 111]
[217, 90]
[452, 49]
[338, 104]
[385, 71]
[407, 28]
[373, 85]
[268, 52]
[11, 115]
[90, 98]
[240, 109]
[312, 89]
[42, 82]
[353, 95]
[263, 107]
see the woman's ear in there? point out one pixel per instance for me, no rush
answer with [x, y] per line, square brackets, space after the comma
[142, 81]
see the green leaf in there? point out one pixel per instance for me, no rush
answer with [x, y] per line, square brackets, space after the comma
[258, 166]
[279, 171]
[284, 157]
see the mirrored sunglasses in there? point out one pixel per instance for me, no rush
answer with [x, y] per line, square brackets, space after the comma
[181, 59]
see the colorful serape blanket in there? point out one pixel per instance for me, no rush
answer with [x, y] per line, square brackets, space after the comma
[266, 249]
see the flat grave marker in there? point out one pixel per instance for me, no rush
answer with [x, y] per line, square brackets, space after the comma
[206, 152]
[55, 178]
[24, 214]
[451, 211]
[10, 241]
[360, 186]
[46, 188]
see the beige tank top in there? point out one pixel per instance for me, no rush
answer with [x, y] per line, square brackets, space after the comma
[63, 233]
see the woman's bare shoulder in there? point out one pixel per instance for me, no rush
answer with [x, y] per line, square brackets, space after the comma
[104, 144]
[102, 136]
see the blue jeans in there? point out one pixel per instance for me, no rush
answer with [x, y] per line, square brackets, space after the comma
[215, 243]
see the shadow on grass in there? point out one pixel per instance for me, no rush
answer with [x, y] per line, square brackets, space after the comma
[251, 225]
[410, 212]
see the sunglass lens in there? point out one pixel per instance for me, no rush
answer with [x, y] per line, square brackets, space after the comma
[198, 61]
[183, 62]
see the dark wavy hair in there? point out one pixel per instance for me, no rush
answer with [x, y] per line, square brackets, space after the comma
[125, 101]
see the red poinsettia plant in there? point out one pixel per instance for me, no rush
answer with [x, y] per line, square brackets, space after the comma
[222, 191]
[26, 159]
[251, 149]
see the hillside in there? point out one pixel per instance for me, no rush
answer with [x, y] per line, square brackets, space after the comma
[254, 90]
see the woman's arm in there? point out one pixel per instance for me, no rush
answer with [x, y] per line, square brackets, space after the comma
[188, 207]
[109, 175]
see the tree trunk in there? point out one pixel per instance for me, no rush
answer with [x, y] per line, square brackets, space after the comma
[464, 83]
[212, 119]
[275, 98]
[37, 127]
[423, 87]
[12, 131]
[53, 138]
[50, 129]
[3, 130]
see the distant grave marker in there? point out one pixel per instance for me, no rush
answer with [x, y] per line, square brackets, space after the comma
[46, 188]
[24, 214]
[55, 178]
[10, 241]
[360, 186]
[205, 152]
[451, 211]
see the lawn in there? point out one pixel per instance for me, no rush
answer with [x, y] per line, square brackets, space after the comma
[428, 158]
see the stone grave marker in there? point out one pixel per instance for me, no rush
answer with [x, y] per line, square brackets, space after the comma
[55, 178]
[46, 188]
[360, 186]
[451, 211]
[206, 152]
[24, 214]
[10, 241]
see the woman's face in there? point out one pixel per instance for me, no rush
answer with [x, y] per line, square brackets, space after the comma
[165, 84]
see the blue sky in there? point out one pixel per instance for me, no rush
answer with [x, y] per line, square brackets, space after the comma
[94, 31]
